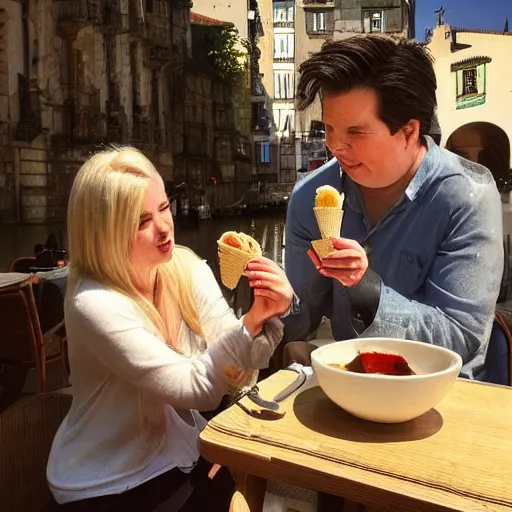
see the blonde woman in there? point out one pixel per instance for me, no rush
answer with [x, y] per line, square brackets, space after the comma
[151, 342]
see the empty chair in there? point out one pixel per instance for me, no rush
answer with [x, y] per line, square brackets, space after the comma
[21, 338]
[27, 430]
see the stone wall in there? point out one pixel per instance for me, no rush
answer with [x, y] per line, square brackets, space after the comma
[90, 84]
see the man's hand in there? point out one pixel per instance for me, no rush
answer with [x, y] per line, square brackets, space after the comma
[348, 264]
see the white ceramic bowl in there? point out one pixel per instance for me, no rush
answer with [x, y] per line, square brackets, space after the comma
[386, 398]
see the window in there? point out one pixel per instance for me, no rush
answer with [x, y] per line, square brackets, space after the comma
[317, 129]
[319, 21]
[284, 87]
[283, 12]
[283, 46]
[469, 85]
[284, 120]
[265, 152]
[376, 22]
[373, 21]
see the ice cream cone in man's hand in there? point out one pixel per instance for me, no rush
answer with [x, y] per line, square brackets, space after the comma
[329, 215]
[347, 262]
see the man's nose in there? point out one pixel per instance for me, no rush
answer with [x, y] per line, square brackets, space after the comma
[339, 150]
[337, 146]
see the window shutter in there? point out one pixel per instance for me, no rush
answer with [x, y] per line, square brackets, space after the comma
[309, 22]
[393, 20]
[480, 79]
[329, 24]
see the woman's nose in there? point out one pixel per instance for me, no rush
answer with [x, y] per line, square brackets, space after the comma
[163, 226]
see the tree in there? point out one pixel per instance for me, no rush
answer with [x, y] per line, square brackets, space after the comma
[227, 57]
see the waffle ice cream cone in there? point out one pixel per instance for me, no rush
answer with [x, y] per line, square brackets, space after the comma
[328, 211]
[329, 220]
[233, 260]
[323, 247]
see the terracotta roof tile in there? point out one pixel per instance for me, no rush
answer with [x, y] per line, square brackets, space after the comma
[200, 19]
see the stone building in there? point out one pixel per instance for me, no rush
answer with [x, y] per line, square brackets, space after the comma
[212, 149]
[253, 110]
[76, 75]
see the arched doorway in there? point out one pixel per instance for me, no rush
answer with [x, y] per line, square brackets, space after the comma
[484, 143]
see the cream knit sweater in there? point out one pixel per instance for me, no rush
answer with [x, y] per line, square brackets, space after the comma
[134, 406]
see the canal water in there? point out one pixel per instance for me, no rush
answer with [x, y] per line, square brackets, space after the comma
[201, 236]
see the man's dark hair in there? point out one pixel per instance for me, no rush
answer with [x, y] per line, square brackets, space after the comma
[401, 72]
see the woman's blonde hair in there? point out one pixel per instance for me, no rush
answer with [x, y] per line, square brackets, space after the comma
[104, 211]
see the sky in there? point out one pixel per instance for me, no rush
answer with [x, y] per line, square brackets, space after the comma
[482, 14]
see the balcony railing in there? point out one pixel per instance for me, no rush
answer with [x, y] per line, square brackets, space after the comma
[155, 29]
[283, 59]
[318, 3]
[283, 24]
[320, 32]
[141, 131]
[156, 56]
[73, 15]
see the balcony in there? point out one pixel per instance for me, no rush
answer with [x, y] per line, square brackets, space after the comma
[283, 58]
[318, 4]
[258, 92]
[156, 56]
[320, 32]
[141, 131]
[156, 29]
[283, 24]
[73, 15]
[29, 124]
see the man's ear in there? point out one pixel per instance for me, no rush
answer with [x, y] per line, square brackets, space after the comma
[411, 131]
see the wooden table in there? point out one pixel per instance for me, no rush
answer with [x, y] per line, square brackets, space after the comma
[455, 457]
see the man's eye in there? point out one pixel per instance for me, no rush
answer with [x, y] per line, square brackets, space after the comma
[166, 207]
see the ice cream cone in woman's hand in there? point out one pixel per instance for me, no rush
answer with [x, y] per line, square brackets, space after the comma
[328, 211]
[235, 251]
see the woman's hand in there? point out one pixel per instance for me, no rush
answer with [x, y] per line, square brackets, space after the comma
[273, 293]
[348, 264]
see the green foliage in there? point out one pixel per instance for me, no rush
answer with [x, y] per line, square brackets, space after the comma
[226, 56]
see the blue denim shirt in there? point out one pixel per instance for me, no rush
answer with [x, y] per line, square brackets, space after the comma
[438, 251]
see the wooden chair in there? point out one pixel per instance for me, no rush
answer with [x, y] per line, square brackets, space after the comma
[22, 264]
[21, 339]
[27, 430]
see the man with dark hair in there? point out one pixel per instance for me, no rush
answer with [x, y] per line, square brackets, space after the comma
[420, 253]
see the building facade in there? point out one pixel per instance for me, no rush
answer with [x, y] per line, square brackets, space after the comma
[76, 75]
[212, 144]
[253, 108]
[474, 94]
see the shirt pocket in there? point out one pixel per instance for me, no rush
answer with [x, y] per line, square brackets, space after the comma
[411, 274]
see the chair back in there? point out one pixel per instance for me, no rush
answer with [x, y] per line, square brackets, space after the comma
[499, 354]
[22, 264]
[21, 339]
[27, 430]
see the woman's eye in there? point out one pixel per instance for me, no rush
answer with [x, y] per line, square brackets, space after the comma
[143, 222]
